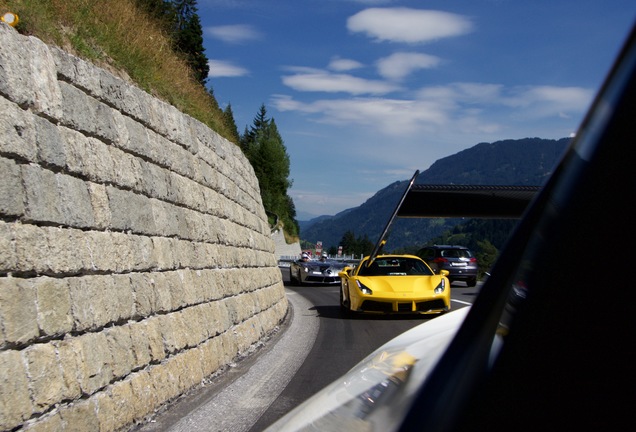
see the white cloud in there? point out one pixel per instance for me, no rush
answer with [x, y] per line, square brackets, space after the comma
[341, 65]
[237, 33]
[548, 101]
[393, 117]
[315, 80]
[221, 68]
[457, 108]
[401, 64]
[317, 202]
[408, 25]
[464, 93]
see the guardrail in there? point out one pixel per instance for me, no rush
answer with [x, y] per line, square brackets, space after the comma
[285, 261]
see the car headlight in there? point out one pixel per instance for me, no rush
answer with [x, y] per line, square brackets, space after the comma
[365, 290]
[441, 286]
[306, 269]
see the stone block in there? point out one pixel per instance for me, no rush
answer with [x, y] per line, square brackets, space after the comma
[87, 157]
[76, 205]
[43, 200]
[53, 306]
[46, 382]
[8, 254]
[51, 151]
[99, 203]
[107, 416]
[142, 286]
[144, 399]
[80, 416]
[12, 194]
[124, 300]
[140, 347]
[138, 140]
[210, 361]
[96, 362]
[79, 110]
[154, 181]
[164, 252]
[163, 294]
[130, 211]
[47, 423]
[15, 402]
[122, 395]
[83, 74]
[154, 339]
[121, 349]
[28, 79]
[18, 313]
[142, 253]
[164, 381]
[173, 332]
[127, 169]
[90, 301]
[174, 284]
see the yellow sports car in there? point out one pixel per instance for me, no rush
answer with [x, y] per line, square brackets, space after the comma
[394, 284]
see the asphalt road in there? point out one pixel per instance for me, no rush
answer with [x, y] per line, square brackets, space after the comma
[314, 347]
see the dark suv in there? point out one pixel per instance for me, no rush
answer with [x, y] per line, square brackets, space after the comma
[458, 260]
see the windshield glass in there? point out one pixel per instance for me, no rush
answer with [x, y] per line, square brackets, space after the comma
[396, 266]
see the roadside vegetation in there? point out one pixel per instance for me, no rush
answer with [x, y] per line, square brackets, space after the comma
[158, 46]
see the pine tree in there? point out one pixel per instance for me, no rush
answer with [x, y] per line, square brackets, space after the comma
[179, 18]
[161, 10]
[264, 148]
[230, 123]
[188, 37]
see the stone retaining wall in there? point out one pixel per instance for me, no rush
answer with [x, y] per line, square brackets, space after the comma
[135, 254]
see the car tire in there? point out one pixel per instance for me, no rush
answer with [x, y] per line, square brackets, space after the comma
[345, 305]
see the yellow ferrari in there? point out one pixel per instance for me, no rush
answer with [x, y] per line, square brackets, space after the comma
[394, 284]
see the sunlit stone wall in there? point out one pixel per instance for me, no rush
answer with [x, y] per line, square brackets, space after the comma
[135, 254]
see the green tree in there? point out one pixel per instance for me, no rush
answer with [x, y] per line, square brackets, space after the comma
[180, 20]
[161, 10]
[265, 149]
[228, 118]
[348, 243]
[188, 37]
[352, 245]
[486, 255]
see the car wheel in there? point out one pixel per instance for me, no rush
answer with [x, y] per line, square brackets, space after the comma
[345, 305]
[300, 281]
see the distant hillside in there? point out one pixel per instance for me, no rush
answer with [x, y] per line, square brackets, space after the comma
[526, 161]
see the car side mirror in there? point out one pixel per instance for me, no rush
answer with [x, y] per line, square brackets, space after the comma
[345, 272]
[444, 272]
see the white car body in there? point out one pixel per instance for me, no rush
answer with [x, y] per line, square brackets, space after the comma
[377, 389]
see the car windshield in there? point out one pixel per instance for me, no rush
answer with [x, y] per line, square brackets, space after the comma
[456, 253]
[395, 266]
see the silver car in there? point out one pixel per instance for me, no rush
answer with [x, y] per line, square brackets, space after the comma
[322, 271]
[458, 260]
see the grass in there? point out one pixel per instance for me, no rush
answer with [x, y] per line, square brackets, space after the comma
[116, 35]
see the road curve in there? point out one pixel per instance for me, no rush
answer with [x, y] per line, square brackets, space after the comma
[237, 399]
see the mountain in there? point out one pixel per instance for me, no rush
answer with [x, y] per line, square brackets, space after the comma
[527, 161]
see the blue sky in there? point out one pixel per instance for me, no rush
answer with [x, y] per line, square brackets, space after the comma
[364, 92]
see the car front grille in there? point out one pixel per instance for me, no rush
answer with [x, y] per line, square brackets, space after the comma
[323, 279]
[430, 305]
[404, 307]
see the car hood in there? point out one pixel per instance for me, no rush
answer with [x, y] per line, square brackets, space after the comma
[401, 284]
[376, 392]
[325, 264]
